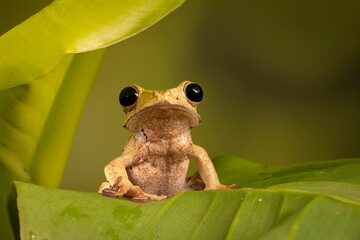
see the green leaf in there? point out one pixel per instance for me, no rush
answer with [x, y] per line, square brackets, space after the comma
[38, 122]
[33, 48]
[293, 203]
[38, 119]
[258, 175]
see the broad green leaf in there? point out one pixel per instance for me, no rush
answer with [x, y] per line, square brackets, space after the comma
[295, 203]
[38, 119]
[258, 175]
[33, 48]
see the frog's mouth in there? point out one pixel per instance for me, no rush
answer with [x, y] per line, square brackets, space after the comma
[162, 113]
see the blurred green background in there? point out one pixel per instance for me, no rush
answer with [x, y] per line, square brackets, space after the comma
[280, 78]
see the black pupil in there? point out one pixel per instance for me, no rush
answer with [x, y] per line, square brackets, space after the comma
[128, 96]
[194, 92]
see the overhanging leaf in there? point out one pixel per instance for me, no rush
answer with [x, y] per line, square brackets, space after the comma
[41, 118]
[33, 48]
[327, 207]
[38, 120]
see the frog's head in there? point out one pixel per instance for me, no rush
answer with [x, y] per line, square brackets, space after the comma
[161, 109]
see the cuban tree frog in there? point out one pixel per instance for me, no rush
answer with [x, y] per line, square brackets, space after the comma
[155, 161]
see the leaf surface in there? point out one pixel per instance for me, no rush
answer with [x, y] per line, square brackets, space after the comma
[33, 48]
[38, 122]
[307, 207]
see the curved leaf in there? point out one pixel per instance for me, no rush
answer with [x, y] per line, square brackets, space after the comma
[38, 120]
[33, 48]
[306, 207]
[233, 169]
[42, 117]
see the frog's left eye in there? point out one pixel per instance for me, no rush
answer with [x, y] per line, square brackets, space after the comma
[128, 96]
[194, 93]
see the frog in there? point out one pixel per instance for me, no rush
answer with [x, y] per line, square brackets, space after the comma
[155, 161]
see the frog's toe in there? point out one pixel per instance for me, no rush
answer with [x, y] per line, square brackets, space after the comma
[233, 186]
[134, 192]
[221, 186]
[114, 190]
[110, 193]
[155, 197]
[138, 195]
[104, 186]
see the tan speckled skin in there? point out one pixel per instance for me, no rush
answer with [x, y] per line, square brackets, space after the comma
[156, 157]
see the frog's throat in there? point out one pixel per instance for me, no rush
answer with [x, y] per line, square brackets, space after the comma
[192, 116]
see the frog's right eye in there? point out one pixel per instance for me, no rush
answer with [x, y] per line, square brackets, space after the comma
[194, 93]
[128, 96]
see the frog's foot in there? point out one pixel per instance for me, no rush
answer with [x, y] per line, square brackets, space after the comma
[147, 196]
[221, 186]
[104, 187]
[138, 195]
[123, 189]
[196, 183]
[117, 189]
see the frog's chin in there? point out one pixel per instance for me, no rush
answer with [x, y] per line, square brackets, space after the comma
[162, 113]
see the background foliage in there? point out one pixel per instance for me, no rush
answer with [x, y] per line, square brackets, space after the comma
[280, 82]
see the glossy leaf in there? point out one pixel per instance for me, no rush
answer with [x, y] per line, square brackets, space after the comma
[292, 204]
[259, 176]
[38, 122]
[41, 118]
[33, 48]
[38, 119]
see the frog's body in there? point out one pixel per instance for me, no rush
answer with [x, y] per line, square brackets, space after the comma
[155, 161]
[162, 158]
